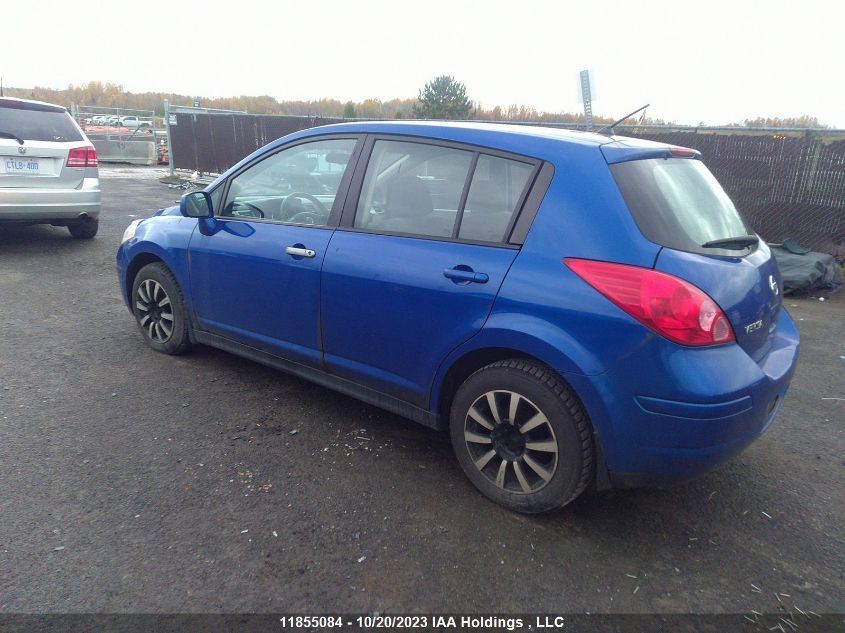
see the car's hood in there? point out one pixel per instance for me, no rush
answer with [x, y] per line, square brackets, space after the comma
[174, 210]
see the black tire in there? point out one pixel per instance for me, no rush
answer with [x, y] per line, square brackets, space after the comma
[84, 229]
[524, 473]
[166, 331]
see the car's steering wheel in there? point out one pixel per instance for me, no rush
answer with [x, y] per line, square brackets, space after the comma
[236, 213]
[306, 217]
[319, 207]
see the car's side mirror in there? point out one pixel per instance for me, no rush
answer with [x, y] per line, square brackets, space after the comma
[196, 204]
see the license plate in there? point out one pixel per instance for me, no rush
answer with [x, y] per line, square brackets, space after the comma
[21, 166]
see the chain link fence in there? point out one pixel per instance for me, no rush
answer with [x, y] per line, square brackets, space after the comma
[122, 135]
[211, 142]
[788, 183]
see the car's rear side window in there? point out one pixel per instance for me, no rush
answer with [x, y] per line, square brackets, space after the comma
[38, 125]
[496, 189]
[413, 188]
[435, 190]
[678, 203]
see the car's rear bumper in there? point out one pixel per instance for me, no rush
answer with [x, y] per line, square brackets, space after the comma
[670, 464]
[671, 413]
[46, 205]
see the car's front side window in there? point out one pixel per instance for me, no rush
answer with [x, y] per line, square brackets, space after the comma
[217, 197]
[297, 185]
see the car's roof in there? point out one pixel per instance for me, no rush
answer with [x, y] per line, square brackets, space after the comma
[467, 129]
[535, 141]
[529, 140]
[29, 104]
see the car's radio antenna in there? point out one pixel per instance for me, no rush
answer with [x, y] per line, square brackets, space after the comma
[609, 128]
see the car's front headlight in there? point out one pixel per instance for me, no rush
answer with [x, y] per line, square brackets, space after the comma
[129, 233]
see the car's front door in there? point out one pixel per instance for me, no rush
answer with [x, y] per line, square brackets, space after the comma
[415, 272]
[255, 268]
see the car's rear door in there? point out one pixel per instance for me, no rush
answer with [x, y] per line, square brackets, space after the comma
[40, 161]
[416, 264]
[255, 268]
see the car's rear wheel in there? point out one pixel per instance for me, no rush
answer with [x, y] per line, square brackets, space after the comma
[84, 229]
[159, 309]
[522, 437]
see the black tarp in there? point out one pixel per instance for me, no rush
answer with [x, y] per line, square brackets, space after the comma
[808, 272]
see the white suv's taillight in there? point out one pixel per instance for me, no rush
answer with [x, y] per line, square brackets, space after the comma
[82, 157]
[670, 306]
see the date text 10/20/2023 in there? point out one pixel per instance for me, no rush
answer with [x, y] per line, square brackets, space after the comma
[421, 621]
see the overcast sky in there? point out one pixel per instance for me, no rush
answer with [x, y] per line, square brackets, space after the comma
[710, 61]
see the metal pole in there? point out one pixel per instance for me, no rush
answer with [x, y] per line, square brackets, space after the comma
[169, 144]
[588, 99]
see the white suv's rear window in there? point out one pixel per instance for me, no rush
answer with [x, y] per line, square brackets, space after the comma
[32, 124]
[678, 203]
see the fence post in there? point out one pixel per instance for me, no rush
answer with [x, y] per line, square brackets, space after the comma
[169, 144]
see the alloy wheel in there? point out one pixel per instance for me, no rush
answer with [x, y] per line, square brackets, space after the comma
[155, 312]
[511, 441]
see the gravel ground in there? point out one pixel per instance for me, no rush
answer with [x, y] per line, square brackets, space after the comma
[136, 482]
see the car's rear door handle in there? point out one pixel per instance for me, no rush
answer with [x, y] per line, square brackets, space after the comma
[459, 275]
[298, 251]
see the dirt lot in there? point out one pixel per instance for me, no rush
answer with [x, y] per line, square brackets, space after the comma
[135, 482]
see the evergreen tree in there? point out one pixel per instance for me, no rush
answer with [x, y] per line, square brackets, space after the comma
[443, 98]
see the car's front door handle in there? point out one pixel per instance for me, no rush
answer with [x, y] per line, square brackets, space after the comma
[296, 251]
[465, 276]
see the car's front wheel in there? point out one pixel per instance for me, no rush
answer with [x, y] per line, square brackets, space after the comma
[84, 229]
[159, 309]
[522, 437]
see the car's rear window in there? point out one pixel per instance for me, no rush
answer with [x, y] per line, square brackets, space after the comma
[38, 125]
[678, 203]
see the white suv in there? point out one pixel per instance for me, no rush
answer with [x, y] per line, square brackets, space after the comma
[48, 168]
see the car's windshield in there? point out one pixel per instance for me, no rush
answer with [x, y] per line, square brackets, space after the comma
[39, 125]
[678, 203]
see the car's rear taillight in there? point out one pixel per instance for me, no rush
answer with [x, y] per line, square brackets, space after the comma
[668, 305]
[82, 157]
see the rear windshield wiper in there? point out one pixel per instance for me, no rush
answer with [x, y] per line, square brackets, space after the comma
[733, 243]
[10, 135]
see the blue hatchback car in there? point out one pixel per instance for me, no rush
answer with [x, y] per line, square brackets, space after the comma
[576, 309]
